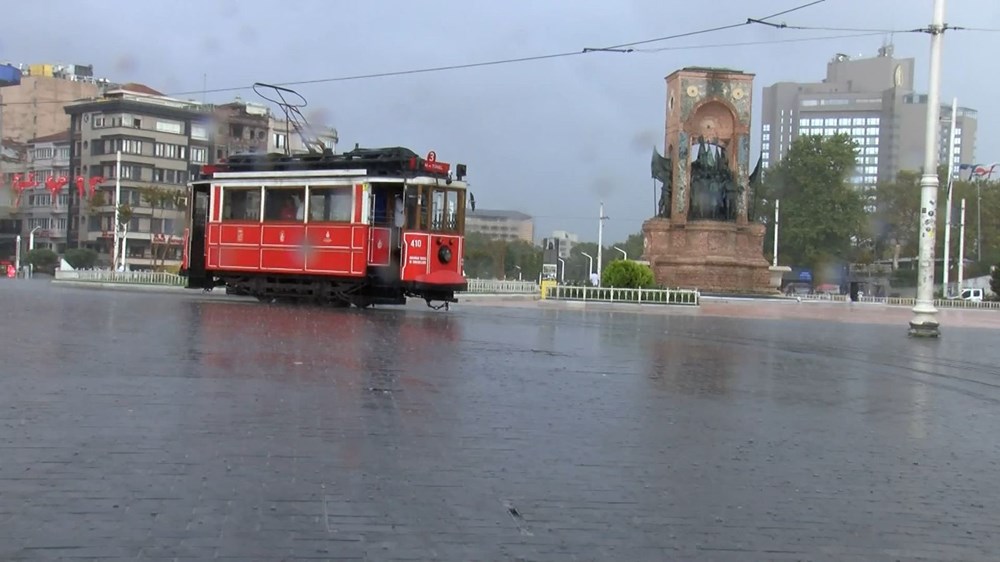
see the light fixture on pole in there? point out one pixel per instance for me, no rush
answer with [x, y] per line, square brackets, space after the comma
[31, 246]
[600, 240]
[518, 268]
[590, 263]
[624, 255]
[31, 238]
[924, 322]
[562, 275]
[947, 217]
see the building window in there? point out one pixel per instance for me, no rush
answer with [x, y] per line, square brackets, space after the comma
[199, 155]
[199, 131]
[170, 127]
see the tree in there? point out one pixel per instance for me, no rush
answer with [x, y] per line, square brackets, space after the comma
[627, 274]
[995, 280]
[896, 217]
[822, 214]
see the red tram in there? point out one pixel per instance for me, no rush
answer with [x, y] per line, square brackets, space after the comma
[370, 226]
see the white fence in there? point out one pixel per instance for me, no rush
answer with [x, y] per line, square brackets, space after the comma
[620, 295]
[500, 287]
[123, 277]
[899, 301]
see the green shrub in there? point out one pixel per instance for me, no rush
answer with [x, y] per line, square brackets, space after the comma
[627, 274]
[43, 260]
[80, 258]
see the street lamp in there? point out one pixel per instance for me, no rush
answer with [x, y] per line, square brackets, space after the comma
[518, 268]
[624, 255]
[562, 276]
[590, 265]
[31, 246]
[31, 238]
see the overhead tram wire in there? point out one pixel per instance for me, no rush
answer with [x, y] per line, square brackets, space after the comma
[477, 64]
[753, 43]
[624, 46]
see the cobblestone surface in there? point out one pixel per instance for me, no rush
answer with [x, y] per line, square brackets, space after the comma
[184, 427]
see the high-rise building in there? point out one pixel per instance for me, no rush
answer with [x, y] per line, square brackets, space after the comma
[873, 101]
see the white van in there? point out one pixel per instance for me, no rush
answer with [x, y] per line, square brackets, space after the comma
[974, 295]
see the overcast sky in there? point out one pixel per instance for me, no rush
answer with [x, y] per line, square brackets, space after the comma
[551, 138]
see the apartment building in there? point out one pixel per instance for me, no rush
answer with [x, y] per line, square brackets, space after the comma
[42, 212]
[33, 106]
[162, 141]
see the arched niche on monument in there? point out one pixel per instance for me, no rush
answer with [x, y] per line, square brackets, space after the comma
[714, 188]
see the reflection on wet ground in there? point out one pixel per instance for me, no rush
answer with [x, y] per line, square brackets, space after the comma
[164, 426]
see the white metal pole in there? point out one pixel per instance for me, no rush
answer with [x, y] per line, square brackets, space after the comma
[947, 212]
[31, 246]
[775, 258]
[624, 254]
[562, 275]
[17, 255]
[118, 189]
[961, 247]
[924, 322]
[600, 242]
[124, 243]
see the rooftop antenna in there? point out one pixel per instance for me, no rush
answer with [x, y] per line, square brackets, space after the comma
[293, 116]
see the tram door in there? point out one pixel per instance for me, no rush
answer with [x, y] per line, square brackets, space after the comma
[198, 233]
[386, 222]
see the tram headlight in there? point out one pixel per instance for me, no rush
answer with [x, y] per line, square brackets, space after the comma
[444, 254]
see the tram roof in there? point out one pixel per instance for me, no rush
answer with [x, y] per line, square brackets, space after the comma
[385, 162]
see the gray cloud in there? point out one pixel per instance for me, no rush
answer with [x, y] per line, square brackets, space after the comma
[548, 137]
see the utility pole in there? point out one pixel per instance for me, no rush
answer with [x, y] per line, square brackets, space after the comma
[774, 260]
[924, 322]
[600, 241]
[947, 216]
[961, 248]
[118, 194]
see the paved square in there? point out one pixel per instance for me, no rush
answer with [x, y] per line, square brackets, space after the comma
[157, 426]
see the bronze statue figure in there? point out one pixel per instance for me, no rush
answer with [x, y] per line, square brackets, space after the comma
[661, 169]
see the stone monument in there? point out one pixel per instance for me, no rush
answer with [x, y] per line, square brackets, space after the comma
[701, 237]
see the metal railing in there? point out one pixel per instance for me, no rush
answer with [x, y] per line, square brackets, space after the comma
[123, 277]
[501, 287]
[623, 295]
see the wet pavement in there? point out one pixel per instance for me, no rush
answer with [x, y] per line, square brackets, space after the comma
[158, 426]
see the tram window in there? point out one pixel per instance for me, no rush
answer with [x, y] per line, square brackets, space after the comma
[331, 204]
[284, 204]
[444, 210]
[241, 204]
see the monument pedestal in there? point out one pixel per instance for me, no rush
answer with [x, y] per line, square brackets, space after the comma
[712, 256]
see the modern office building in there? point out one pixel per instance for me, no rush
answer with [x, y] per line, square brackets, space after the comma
[874, 102]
